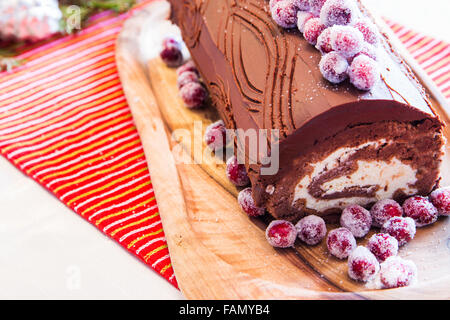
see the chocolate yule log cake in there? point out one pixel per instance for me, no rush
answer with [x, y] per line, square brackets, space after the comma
[338, 145]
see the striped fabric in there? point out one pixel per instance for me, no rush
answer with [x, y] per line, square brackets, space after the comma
[65, 122]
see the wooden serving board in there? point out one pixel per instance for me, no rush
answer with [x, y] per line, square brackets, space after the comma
[217, 252]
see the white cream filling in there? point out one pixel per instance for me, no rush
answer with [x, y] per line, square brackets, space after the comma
[391, 176]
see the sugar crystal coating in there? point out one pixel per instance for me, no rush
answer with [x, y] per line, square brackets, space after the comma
[401, 228]
[383, 246]
[236, 172]
[316, 6]
[356, 219]
[313, 28]
[340, 242]
[171, 52]
[324, 41]
[396, 272]
[383, 210]
[302, 18]
[281, 234]
[362, 264]
[333, 67]
[368, 29]
[346, 40]
[441, 200]
[302, 4]
[421, 210]
[284, 13]
[216, 135]
[338, 12]
[364, 72]
[188, 66]
[247, 204]
[311, 229]
[193, 95]
[186, 77]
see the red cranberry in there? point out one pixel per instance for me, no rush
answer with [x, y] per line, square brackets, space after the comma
[272, 3]
[346, 40]
[216, 135]
[368, 29]
[340, 242]
[383, 246]
[421, 210]
[368, 50]
[171, 52]
[313, 28]
[311, 229]
[187, 77]
[333, 67]
[383, 210]
[324, 41]
[364, 72]
[356, 219]
[338, 12]
[247, 204]
[362, 264]
[193, 94]
[302, 18]
[401, 228]
[281, 234]
[302, 4]
[397, 272]
[284, 13]
[316, 6]
[236, 172]
[441, 200]
[187, 67]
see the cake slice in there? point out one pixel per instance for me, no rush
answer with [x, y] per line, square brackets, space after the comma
[336, 145]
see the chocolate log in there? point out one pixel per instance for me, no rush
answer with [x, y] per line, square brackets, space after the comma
[338, 145]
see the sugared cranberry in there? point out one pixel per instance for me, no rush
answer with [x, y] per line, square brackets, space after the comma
[356, 219]
[324, 41]
[236, 172]
[368, 50]
[346, 40]
[281, 234]
[247, 204]
[313, 28]
[302, 18]
[193, 95]
[368, 29]
[383, 246]
[272, 3]
[441, 200]
[284, 13]
[421, 210]
[340, 242]
[333, 67]
[364, 72]
[171, 52]
[311, 229]
[316, 6]
[338, 12]
[362, 264]
[396, 272]
[401, 228]
[187, 77]
[216, 135]
[383, 210]
[187, 67]
[302, 4]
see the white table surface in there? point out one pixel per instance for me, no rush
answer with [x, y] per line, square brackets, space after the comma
[49, 252]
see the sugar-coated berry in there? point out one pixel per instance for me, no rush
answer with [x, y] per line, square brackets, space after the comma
[281, 234]
[324, 41]
[311, 229]
[333, 67]
[440, 198]
[186, 77]
[247, 203]
[340, 242]
[362, 264]
[193, 95]
[171, 52]
[302, 4]
[346, 40]
[396, 272]
[364, 72]
[284, 13]
[272, 3]
[421, 210]
[316, 6]
[216, 135]
[383, 246]
[313, 28]
[338, 12]
[383, 210]
[368, 50]
[368, 29]
[401, 228]
[187, 67]
[236, 172]
[356, 219]
[302, 18]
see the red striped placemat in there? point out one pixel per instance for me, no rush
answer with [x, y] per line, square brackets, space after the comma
[65, 122]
